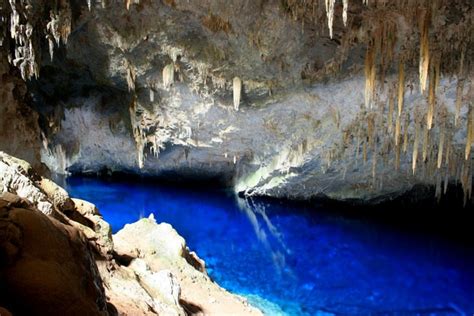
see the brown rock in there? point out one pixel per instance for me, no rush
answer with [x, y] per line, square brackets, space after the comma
[4, 312]
[46, 267]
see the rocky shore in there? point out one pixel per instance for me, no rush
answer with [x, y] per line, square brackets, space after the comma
[58, 257]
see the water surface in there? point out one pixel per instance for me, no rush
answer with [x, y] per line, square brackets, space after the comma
[296, 260]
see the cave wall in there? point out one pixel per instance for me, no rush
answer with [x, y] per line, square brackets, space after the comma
[19, 128]
[148, 87]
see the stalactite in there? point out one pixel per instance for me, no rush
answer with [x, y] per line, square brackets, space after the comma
[434, 81]
[415, 146]
[364, 151]
[137, 134]
[237, 90]
[50, 46]
[371, 128]
[466, 180]
[168, 75]
[374, 162]
[448, 152]
[391, 106]
[424, 49]
[357, 146]
[370, 73]
[426, 143]
[459, 93]
[131, 76]
[441, 146]
[345, 6]
[397, 157]
[152, 95]
[446, 181]
[330, 15]
[469, 132]
[405, 133]
[401, 86]
[438, 187]
[397, 131]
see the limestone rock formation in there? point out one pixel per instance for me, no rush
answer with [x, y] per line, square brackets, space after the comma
[158, 247]
[346, 99]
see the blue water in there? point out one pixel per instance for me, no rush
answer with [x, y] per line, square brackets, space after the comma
[297, 260]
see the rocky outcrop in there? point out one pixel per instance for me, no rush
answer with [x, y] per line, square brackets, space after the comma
[57, 256]
[158, 247]
[46, 267]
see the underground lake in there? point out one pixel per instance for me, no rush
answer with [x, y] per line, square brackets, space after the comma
[298, 259]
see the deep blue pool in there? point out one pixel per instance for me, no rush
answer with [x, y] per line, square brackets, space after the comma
[299, 260]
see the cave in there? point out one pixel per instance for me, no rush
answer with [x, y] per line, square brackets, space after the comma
[210, 157]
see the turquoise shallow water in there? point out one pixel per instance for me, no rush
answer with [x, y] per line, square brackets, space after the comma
[298, 260]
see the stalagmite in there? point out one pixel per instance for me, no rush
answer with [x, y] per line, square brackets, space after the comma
[237, 90]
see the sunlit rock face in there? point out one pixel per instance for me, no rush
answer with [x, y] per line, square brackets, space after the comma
[272, 98]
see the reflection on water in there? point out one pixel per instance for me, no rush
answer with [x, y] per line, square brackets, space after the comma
[300, 259]
[252, 210]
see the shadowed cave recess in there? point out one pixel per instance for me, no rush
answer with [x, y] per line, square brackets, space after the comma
[299, 149]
